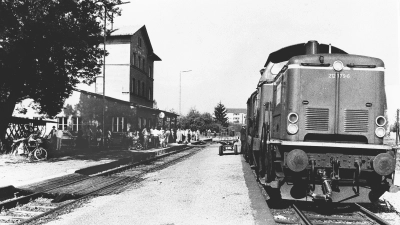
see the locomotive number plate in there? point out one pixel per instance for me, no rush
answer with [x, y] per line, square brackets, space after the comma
[332, 75]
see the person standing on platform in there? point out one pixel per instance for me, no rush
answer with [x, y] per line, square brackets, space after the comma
[178, 135]
[167, 136]
[99, 133]
[53, 138]
[89, 135]
[145, 138]
[194, 135]
[188, 135]
[243, 139]
[161, 137]
[184, 134]
[152, 130]
[59, 138]
[198, 135]
[156, 137]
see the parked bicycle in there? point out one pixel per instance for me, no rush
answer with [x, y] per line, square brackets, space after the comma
[32, 148]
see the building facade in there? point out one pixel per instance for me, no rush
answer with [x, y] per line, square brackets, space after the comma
[129, 88]
[236, 115]
[129, 67]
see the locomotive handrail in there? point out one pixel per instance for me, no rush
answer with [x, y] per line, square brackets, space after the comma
[316, 64]
[352, 65]
[331, 144]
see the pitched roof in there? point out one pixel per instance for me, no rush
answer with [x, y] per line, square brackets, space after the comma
[236, 110]
[126, 30]
[131, 30]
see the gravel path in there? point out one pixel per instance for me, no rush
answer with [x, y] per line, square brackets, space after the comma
[204, 189]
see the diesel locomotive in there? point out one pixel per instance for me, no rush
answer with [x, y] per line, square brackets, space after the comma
[316, 123]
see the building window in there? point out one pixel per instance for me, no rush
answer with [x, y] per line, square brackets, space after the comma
[144, 63]
[143, 91]
[118, 124]
[134, 59]
[149, 71]
[140, 123]
[138, 87]
[149, 93]
[137, 61]
[62, 123]
[76, 124]
[140, 42]
[133, 84]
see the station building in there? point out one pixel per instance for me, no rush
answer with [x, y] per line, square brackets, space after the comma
[129, 87]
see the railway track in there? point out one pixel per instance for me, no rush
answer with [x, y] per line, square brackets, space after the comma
[56, 195]
[351, 214]
[306, 213]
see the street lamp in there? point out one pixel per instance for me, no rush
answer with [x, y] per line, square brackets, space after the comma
[104, 60]
[180, 89]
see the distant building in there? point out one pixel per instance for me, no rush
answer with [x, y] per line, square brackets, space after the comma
[236, 115]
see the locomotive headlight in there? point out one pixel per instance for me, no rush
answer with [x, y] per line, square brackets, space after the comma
[380, 121]
[380, 132]
[292, 128]
[293, 117]
[338, 66]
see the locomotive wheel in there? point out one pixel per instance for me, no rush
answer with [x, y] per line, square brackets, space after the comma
[221, 152]
[235, 150]
[40, 153]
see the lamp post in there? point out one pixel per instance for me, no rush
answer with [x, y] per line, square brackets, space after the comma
[180, 89]
[104, 61]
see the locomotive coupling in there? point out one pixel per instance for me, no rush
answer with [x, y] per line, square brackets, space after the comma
[326, 188]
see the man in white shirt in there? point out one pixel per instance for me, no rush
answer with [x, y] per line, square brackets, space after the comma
[156, 138]
[152, 135]
[59, 138]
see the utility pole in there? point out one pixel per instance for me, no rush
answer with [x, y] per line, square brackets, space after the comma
[180, 90]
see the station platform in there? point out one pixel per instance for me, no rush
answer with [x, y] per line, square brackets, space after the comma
[16, 171]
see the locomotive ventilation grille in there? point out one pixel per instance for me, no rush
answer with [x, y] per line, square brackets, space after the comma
[317, 119]
[355, 120]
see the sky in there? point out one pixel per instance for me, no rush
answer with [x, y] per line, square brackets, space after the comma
[226, 42]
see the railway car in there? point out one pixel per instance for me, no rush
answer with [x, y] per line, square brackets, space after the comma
[316, 124]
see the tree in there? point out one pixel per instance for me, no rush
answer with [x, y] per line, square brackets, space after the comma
[47, 47]
[220, 114]
[198, 121]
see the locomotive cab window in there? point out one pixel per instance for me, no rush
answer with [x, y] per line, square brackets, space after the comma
[277, 67]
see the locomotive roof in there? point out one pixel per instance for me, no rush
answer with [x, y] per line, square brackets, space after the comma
[284, 54]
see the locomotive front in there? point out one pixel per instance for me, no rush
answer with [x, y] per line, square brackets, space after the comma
[326, 128]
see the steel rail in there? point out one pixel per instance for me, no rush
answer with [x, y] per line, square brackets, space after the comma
[90, 194]
[371, 215]
[301, 214]
[30, 197]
